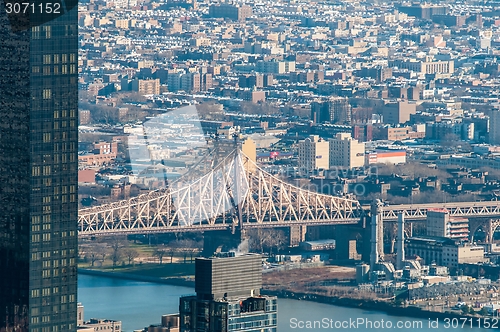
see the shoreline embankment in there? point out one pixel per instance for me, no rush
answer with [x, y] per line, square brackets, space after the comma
[375, 305]
[129, 276]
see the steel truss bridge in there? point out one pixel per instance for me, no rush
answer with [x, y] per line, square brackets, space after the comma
[237, 193]
[414, 212]
[481, 215]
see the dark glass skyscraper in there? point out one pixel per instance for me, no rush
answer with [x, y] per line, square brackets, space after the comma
[38, 167]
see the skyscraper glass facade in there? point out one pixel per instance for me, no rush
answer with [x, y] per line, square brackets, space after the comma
[38, 162]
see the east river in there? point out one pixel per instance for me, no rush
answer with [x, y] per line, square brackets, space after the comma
[140, 304]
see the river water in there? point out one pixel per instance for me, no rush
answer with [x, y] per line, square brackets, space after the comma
[140, 304]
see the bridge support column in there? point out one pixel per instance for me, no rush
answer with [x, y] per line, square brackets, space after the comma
[346, 242]
[489, 232]
[297, 235]
[377, 234]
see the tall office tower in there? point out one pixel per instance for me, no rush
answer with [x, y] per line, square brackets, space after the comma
[38, 163]
[228, 297]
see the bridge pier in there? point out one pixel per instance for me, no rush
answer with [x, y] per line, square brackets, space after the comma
[352, 242]
[377, 233]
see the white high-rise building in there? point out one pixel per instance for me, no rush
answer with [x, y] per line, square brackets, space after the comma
[313, 154]
[346, 152]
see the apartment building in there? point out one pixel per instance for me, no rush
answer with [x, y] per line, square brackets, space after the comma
[314, 153]
[346, 152]
[440, 223]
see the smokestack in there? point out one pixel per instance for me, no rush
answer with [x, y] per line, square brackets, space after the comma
[401, 241]
[375, 236]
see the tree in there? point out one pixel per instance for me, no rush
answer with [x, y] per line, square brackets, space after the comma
[261, 240]
[131, 254]
[103, 254]
[95, 253]
[193, 247]
[275, 239]
[471, 311]
[210, 111]
[256, 240]
[160, 252]
[116, 251]
[189, 246]
[171, 253]
[262, 108]
[451, 141]
[103, 114]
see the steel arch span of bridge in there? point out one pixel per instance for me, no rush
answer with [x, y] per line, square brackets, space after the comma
[235, 194]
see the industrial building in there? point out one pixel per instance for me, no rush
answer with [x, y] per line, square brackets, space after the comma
[444, 251]
[228, 297]
[386, 157]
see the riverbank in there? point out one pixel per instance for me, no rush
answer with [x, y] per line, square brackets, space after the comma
[175, 281]
[374, 305]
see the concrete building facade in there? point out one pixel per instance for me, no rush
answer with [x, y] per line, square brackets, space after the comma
[346, 152]
[234, 12]
[398, 112]
[444, 251]
[440, 223]
[494, 134]
[314, 154]
[425, 67]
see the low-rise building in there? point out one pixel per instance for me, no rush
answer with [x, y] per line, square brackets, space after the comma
[94, 325]
[386, 157]
[102, 154]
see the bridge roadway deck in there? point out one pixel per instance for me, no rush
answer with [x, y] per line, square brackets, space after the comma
[456, 209]
[412, 212]
[196, 228]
